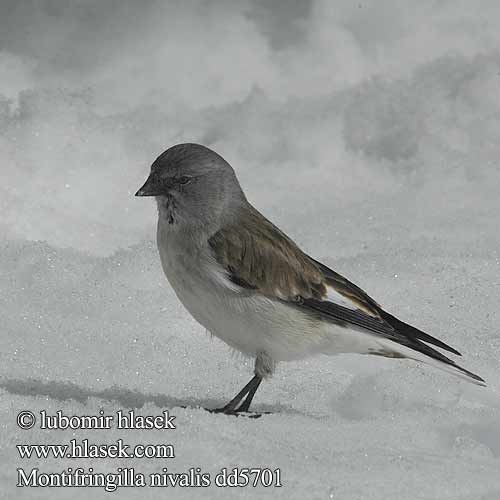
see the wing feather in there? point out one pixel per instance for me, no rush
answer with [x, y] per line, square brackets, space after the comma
[259, 258]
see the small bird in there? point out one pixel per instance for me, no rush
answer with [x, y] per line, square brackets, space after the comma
[250, 285]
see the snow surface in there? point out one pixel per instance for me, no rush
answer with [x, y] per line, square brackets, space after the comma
[367, 131]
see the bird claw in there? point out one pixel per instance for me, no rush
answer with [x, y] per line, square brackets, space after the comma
[236, 413]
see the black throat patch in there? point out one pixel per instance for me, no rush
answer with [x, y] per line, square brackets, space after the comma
[168, 208]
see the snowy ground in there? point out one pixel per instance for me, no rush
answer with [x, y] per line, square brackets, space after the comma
[85, 334]
[383, 163]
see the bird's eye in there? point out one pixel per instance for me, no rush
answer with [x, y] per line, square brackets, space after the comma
[184, 179]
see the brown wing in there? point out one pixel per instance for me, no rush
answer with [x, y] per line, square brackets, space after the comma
[258, 256]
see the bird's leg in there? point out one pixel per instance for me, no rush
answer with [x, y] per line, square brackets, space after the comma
[249, 391]
[264, 367]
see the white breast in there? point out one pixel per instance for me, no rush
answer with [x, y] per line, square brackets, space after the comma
[248, 322]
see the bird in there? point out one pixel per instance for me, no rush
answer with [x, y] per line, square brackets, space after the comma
[252, 286]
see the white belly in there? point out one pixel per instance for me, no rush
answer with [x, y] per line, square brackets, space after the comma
[247, 322]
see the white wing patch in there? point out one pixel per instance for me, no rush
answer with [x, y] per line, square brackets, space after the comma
[221, 277]
[337, 298]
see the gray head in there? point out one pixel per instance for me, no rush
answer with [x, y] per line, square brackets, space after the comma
[194, 187]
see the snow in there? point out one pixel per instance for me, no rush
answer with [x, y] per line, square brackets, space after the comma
[369, 133]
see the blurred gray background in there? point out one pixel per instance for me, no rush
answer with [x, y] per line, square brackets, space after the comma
[319, 105]
[367, 130]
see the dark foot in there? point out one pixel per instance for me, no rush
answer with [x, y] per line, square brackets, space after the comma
[239, 406]
[237, 413]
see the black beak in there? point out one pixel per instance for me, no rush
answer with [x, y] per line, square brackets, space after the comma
[152, 187]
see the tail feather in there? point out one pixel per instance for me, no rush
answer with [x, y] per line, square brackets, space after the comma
[451, 368]
[414, 333]
[418, 351]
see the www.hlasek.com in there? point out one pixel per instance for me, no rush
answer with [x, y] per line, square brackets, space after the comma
[78, 477]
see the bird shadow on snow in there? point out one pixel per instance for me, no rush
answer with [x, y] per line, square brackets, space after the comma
[65, 391]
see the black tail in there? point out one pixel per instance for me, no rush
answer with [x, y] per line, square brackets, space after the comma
[414, 338]
[414, 333]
